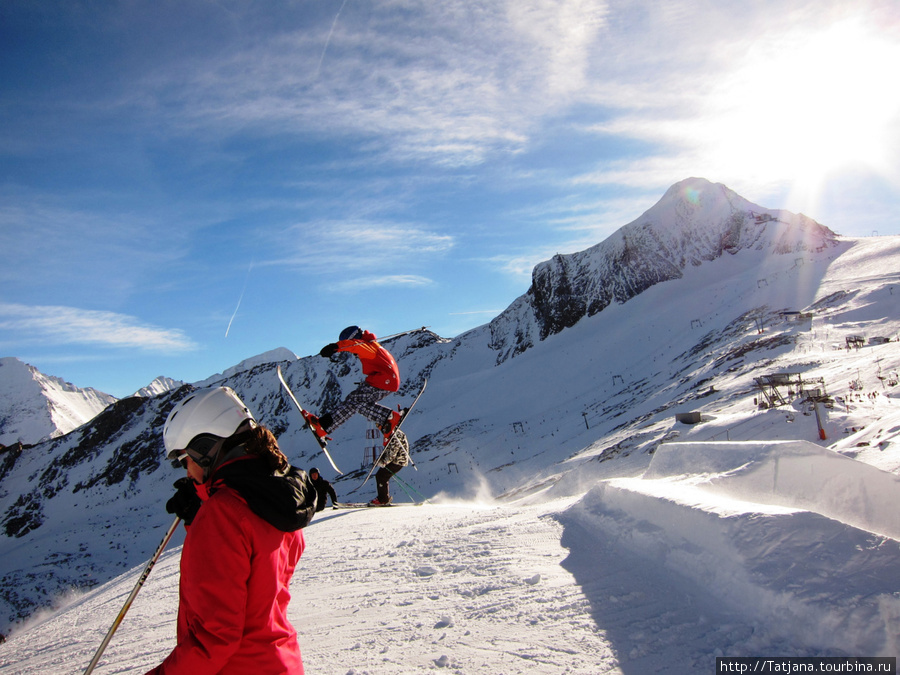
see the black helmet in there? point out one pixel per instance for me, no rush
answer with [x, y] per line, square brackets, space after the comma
[314, 470]
[351, 333]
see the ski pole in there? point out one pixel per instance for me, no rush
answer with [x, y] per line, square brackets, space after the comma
[404, 486]
[134, 592]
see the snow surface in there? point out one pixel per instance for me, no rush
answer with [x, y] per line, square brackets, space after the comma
[702, 556]
[159, 386]
[34, 406]
[271, 356]
[575, 525]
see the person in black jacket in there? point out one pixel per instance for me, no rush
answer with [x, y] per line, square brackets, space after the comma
[323, 489]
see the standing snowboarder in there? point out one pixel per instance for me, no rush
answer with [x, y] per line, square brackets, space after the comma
[382, 378]
[323, 490]
[394, 458]
[244, 507]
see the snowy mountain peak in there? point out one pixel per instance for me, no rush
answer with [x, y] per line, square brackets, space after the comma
[276, 355]
[34, 406]
[707, 219]
[695, 222]
[159, 386]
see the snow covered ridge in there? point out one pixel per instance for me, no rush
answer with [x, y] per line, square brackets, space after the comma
[160, 385]
[271, 356]
[695, 221]
[792, 474]
[34, 406]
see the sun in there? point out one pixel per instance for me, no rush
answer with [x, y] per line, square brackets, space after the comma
[804, 106]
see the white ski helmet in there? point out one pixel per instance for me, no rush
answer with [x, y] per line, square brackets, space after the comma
[217, 412]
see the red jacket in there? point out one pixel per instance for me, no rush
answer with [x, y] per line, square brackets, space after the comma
[377, 362]
[234, 594]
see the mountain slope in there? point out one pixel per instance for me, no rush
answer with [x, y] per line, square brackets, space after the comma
[579, 406]
[694, 222]
[34, 406]
[159, 386]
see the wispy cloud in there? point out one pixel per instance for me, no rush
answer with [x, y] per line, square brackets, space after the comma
[70, 325]
[477, 311]
[449, 82]
[370, 282]
[81, 244]
[342, 247]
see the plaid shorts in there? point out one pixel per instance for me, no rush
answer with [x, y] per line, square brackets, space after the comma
[363, 400]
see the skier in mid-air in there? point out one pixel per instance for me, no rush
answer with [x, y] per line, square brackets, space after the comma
[382, 378]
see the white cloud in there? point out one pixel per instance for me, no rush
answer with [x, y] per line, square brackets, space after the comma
[342, 247]
[476, 311]
[447, 82]
[70, 325]
[370, 282]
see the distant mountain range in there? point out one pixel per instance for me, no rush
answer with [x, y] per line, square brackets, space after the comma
[35, 407]
[677, 311]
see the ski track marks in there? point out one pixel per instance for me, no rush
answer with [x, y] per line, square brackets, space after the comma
[455, 588]
[469, 590]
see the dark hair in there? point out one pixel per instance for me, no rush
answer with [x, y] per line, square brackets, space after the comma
[263, 444]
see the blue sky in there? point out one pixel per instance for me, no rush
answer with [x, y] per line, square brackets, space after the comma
[184, 185]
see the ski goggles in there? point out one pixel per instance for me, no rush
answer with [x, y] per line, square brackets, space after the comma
[199, 450]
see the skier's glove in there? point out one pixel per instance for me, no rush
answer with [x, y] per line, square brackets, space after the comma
[185, 503]
[329, 350]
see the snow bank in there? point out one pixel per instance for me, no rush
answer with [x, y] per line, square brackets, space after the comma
[771, 532]
[795, 474]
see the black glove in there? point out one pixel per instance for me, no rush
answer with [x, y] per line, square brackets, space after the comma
[329, 350]
[185, 503]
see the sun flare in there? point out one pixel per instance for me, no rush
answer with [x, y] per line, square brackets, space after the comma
[802, 107]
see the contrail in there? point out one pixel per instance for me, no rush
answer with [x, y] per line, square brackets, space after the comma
[328, 39]
[240, 299]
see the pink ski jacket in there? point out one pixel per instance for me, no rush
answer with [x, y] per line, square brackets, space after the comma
[377, 363]
[233, 565]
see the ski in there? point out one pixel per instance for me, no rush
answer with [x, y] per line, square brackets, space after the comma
[388, 442]
[320, 441]
[363, 505]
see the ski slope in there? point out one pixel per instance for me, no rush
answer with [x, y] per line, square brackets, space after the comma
[735, 548]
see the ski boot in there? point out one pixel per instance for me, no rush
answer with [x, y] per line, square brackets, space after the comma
[313, 423]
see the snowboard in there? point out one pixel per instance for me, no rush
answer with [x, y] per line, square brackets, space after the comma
[390, 438]
[321, 441]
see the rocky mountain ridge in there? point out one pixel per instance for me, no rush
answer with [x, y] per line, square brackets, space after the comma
[694, 222]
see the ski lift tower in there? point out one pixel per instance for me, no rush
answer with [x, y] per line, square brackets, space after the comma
[770, 386]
